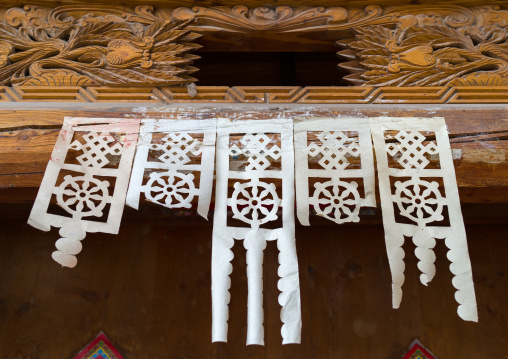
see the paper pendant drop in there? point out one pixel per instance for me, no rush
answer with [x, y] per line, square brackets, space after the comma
[336, 155]
[420, 199]
[87, 177]
[174, 164]
[252, 157]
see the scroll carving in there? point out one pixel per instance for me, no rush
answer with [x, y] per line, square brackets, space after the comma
[41, 47]
[471, 50]
[242, 19]
[101, 45]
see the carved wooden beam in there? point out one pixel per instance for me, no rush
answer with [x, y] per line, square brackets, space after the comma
[431, 50]
[99, 45]
[257, 3]
[312, 95]
[478, 136]
[39, 47]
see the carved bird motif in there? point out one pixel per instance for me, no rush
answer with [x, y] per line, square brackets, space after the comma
[96, 53]
[427, 55]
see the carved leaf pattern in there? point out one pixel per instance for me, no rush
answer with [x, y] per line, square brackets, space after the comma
[434, 54]
[93, 53]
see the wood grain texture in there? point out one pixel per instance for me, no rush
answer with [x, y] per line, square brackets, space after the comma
[478, 138]
[260, 94]
[149, 289]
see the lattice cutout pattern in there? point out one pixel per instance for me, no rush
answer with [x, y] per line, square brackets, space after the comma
[421, 199]
[255, 201]
[86, 194]
[334, 149]
[255, 148]
[335, 196]
[171, 182]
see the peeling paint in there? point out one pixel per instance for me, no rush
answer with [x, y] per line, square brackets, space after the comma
[456, 153]
[480, 155]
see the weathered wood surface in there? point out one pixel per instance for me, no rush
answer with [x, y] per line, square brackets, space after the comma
[479, 138]
[260, 94]
[148, 289]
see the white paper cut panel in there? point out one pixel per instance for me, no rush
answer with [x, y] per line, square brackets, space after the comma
[174, 164]
[252, 157]
[419, 199]
[333, 158]
[87, 177]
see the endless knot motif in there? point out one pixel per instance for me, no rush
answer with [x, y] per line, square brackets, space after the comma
[82, 196]
[176, 146]
[337, 200]
[334, 150]
[412, 150]
[419, 200]
[254, 146]
[172, 189]
[96, 148]
[260, 200]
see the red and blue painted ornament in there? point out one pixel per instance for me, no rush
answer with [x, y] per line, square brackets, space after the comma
[418, 351]
[99, 348]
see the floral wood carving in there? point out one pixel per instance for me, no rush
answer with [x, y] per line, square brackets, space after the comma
[40, 47]
[433, 51]
[240, 18]
[101, 45]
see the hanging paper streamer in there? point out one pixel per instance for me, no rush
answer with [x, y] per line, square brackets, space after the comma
[336, 155]
[419, 199]
[170, 153]
[87, 177]
[252, 156]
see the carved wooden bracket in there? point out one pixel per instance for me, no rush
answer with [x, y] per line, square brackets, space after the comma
[432, 50]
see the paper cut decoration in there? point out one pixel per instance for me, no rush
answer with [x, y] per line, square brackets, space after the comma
[170, 153]
[424, 203]
[87, 176]
[337, 154]
[99, 348]
[418, 351]
[248, 187]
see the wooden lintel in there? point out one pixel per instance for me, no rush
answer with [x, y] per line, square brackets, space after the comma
[478, 133]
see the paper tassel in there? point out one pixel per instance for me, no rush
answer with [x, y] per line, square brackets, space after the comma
[83, 188]
[254, 202]
[416, 205]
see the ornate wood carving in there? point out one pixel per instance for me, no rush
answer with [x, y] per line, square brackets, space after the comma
[100, 45]
[240, 18]
[41, 47]
[432, 50]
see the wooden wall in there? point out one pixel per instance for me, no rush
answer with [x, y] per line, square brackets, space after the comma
[148, 289]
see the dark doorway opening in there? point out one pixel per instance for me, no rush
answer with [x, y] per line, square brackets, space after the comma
[269, 69]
